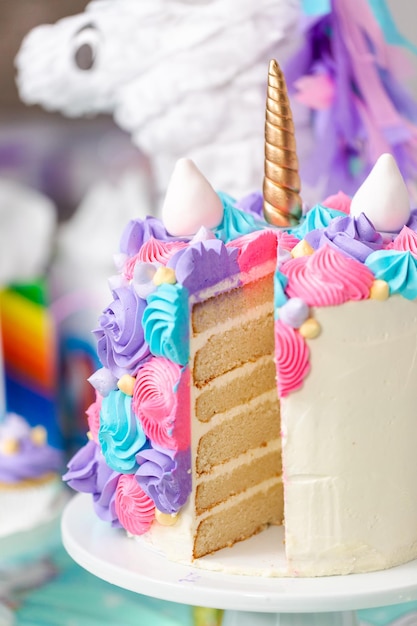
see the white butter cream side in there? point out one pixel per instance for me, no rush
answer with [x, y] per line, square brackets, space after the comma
[350, 497]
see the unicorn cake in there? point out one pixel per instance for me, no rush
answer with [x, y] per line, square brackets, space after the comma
[247, 374]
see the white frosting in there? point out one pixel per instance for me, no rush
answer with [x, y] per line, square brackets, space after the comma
[350, 465]
[383, 197]
[190, 201]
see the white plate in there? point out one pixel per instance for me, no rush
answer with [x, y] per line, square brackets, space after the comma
[112, 556]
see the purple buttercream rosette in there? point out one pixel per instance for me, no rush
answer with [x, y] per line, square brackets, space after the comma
[204, 264]
[165, 476]
[121, 344]
[354, 237]
[137, 232]
[89, 473]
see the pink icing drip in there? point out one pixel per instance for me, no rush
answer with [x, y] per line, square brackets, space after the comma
[161, 403]
[255, 249]
[292, 358]
[134, 509]
[327, 278]
[153, 251]
[93, 416]
[405, 241]
[339, 201]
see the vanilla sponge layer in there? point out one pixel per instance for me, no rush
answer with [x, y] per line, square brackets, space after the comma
[237, 489]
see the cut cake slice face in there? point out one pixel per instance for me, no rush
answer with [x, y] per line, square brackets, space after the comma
[236, 449]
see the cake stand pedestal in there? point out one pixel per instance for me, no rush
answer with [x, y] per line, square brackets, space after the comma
[247, 600]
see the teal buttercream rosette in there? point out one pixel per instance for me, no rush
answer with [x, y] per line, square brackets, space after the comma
[318, 217]
[165, 323]
[398, 269]
[235, 223]
[120, 434]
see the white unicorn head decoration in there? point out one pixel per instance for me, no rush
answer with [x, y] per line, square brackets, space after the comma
[182, 77]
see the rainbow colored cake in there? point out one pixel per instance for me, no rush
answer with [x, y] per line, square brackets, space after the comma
[28, 336]
[248, 375]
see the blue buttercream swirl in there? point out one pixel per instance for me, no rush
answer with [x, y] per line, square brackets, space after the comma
[204, 264]
[280, 297]
[398, 269]
[120, 433]
[318, 217]
[235, 222]
[165, 323]
[165, 477]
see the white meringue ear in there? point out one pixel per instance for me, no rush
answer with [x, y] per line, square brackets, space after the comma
[190, 202]
[383, 197]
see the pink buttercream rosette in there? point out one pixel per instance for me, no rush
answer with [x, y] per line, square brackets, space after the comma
[161, 403]
[153, 251]
[93, 417]
[135, 510]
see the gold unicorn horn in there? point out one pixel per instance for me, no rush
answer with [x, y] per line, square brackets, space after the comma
[282, 204]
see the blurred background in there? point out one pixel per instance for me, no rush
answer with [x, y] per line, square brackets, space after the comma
[59, 156]
[63, 158]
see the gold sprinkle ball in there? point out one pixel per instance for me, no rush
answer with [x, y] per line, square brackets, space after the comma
[310, 329]
[379, 290]
[38, 435]
[302, 248]
[126, 384]
[10, 447]
[166, 519]
[89, 436]
[164, 275]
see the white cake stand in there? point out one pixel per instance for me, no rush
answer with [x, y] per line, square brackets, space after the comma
[248, 600]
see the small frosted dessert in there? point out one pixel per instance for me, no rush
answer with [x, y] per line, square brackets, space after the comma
[30, 484]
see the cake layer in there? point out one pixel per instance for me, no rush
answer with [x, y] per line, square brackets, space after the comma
[240, 520]
[227, 350]
[251, 426]
[248, 471]
[236, 387]
[232, 304]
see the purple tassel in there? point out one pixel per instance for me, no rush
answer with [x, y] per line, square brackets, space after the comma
[346, 73]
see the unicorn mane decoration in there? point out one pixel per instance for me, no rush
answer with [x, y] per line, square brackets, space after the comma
[349, 74]
[182, 78]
